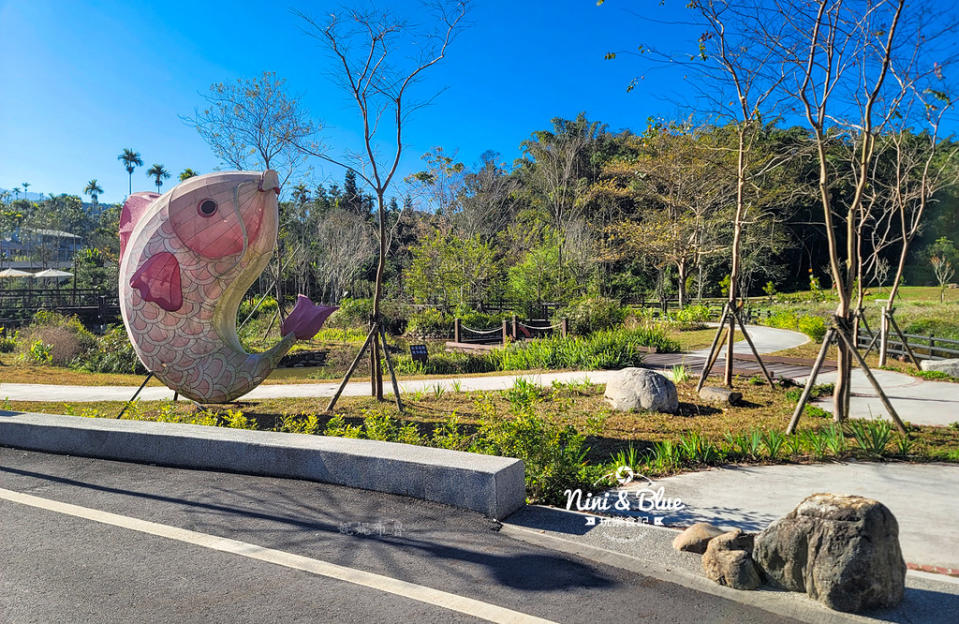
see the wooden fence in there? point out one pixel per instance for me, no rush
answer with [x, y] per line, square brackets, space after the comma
[925, 347]
[471, 338]
[17, 306]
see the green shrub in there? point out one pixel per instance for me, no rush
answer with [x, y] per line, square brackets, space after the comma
[871, 435]
[430, 323]
[449, 363]
[41, 352]
[589, 314]
[482, 320]
[111, 353]
[812, 326]
[693, 314]
[267, 308]
[357, 312]
[8, 343]
[554, 455]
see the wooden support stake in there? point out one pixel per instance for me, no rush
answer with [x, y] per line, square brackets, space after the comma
[135, 394]
[872, 343]
[389, 365]
[875, 384]
[349, 371]
[905, 342]
[826, 341]
[457, 330]
[713, 352]
[749, 341]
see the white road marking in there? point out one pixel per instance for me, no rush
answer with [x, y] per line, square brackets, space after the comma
[453, 602]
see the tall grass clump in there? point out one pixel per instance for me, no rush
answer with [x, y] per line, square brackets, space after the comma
[606, 349]
[63, 338]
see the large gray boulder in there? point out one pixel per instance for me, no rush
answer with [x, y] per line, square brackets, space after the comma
[728, 561]
[841, 550]
[641, 389]
[949, 367]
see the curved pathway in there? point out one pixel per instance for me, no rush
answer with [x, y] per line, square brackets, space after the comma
[918, 401]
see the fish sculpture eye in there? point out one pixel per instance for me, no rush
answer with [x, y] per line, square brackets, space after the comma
[213, 233]
[207, 208]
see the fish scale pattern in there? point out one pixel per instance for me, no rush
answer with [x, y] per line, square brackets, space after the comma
[183, 347]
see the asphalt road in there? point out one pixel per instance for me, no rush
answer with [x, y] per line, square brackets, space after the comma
[158, 557]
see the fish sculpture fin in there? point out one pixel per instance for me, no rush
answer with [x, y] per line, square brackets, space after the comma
[158, 280]
[133, 208]
[306, 318]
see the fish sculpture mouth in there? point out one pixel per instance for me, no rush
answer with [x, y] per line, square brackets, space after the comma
[269, 181]
[187, 259]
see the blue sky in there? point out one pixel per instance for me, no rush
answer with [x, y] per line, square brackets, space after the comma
[84, 79]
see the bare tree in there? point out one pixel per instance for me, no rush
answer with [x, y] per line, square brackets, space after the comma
[737, 81]
[921, 169]
[841, 60]
[255, 124]
[364, 45]
[347, 243]
[487, 201]
[942, 269]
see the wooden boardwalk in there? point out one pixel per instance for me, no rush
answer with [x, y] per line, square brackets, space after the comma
[743, 365]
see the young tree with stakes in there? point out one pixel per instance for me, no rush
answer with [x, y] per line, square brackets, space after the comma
[364, 44]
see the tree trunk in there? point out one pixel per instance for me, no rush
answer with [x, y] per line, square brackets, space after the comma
[737, 242]
[376, 371]
[681, 287]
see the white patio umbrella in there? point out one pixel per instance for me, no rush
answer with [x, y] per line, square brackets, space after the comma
[52, 273]
[14, 273]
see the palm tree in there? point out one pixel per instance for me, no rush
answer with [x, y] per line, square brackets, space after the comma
[16, 193]
[158, 172]
[26, 185]
[131, 160]
[187, 174]
[93, 189]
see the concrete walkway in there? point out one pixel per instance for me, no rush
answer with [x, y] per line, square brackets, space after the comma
[917, 401]
[921, 496]
[85, 394]
[766, 339]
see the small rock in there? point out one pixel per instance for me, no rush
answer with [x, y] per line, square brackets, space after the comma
[728, 561]
[695, 538]
[734, 540]
[641, 389]
[949, 367]
[841, 550]
[720, 395]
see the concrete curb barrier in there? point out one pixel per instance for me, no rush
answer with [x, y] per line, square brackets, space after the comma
[488, 484]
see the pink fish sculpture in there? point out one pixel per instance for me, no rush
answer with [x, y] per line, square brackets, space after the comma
[187, 258]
